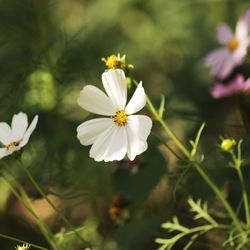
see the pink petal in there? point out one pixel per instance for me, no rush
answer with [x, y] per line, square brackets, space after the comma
[221, 63]
[224, 34]
[240, 53]
[237, 85]
[218, 91]
[215, 56]
[227, 65]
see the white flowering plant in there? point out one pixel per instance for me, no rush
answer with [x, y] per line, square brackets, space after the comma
[129, 152]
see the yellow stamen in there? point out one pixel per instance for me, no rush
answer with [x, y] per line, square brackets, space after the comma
[23, 247]
[233, 44]
[13, 144]
[115, 62]
[120, 118]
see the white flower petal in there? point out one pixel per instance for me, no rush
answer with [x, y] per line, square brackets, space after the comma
[89, 130]
[138, 130]
[3, 152]
[118, 144]
[114, 82]
[95, 101]
[138, 100]
[5, 133]
[99, 147]
[29, 132]
[224, 34]
[12, 149]
[18, 126]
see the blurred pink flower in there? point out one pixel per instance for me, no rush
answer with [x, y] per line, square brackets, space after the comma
[237, 85]
[223, 60]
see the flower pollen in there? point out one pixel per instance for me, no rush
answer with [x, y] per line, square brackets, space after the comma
[23, 247]
[120, 118]
[115, 62]
[233, 44]
[13, 144]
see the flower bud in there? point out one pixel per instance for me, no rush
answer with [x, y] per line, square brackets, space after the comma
[227, 144]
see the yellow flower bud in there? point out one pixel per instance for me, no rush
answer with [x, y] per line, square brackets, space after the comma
[227, 144]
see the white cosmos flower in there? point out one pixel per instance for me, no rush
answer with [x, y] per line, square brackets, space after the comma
[17, 136]
[120, 132]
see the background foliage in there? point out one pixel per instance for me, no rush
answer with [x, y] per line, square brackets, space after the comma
[49, 50]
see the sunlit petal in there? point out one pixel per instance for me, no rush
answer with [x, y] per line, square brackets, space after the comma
[29, 131]
[89, 130]
[95, 101]
[101, 143]
[138, 100]
[18, 126]
[114, 82]
[5, 133]
[138, 130]
[3, 152]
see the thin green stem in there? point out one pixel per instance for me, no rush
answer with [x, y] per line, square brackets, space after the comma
[171, 134]
[204, 175]
[197, 165]
[39, 189]
[237, 162]
[21, 241]
[168, 147]
[244, 194]
[219, 194]
[24, 199]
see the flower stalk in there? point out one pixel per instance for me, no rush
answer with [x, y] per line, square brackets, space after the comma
[41, 192]
[22, 196]
[197, 165]
[237, 164]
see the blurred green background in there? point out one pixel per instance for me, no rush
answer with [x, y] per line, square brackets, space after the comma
[49, 49]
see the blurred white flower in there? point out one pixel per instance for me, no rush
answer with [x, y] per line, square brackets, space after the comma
[121, 132]
[17, 136]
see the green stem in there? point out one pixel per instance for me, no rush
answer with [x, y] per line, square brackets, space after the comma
[197, 165]
[21, 241]
[168, 147]
[237, 165]
[24, 199]
[39, 189]
[219, 194]
[244, 194]
[204, 175]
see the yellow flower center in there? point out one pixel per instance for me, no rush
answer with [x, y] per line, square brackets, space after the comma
[114, 62]
[120, 118]
[23, 247]
[13, 144]
[233, 44]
